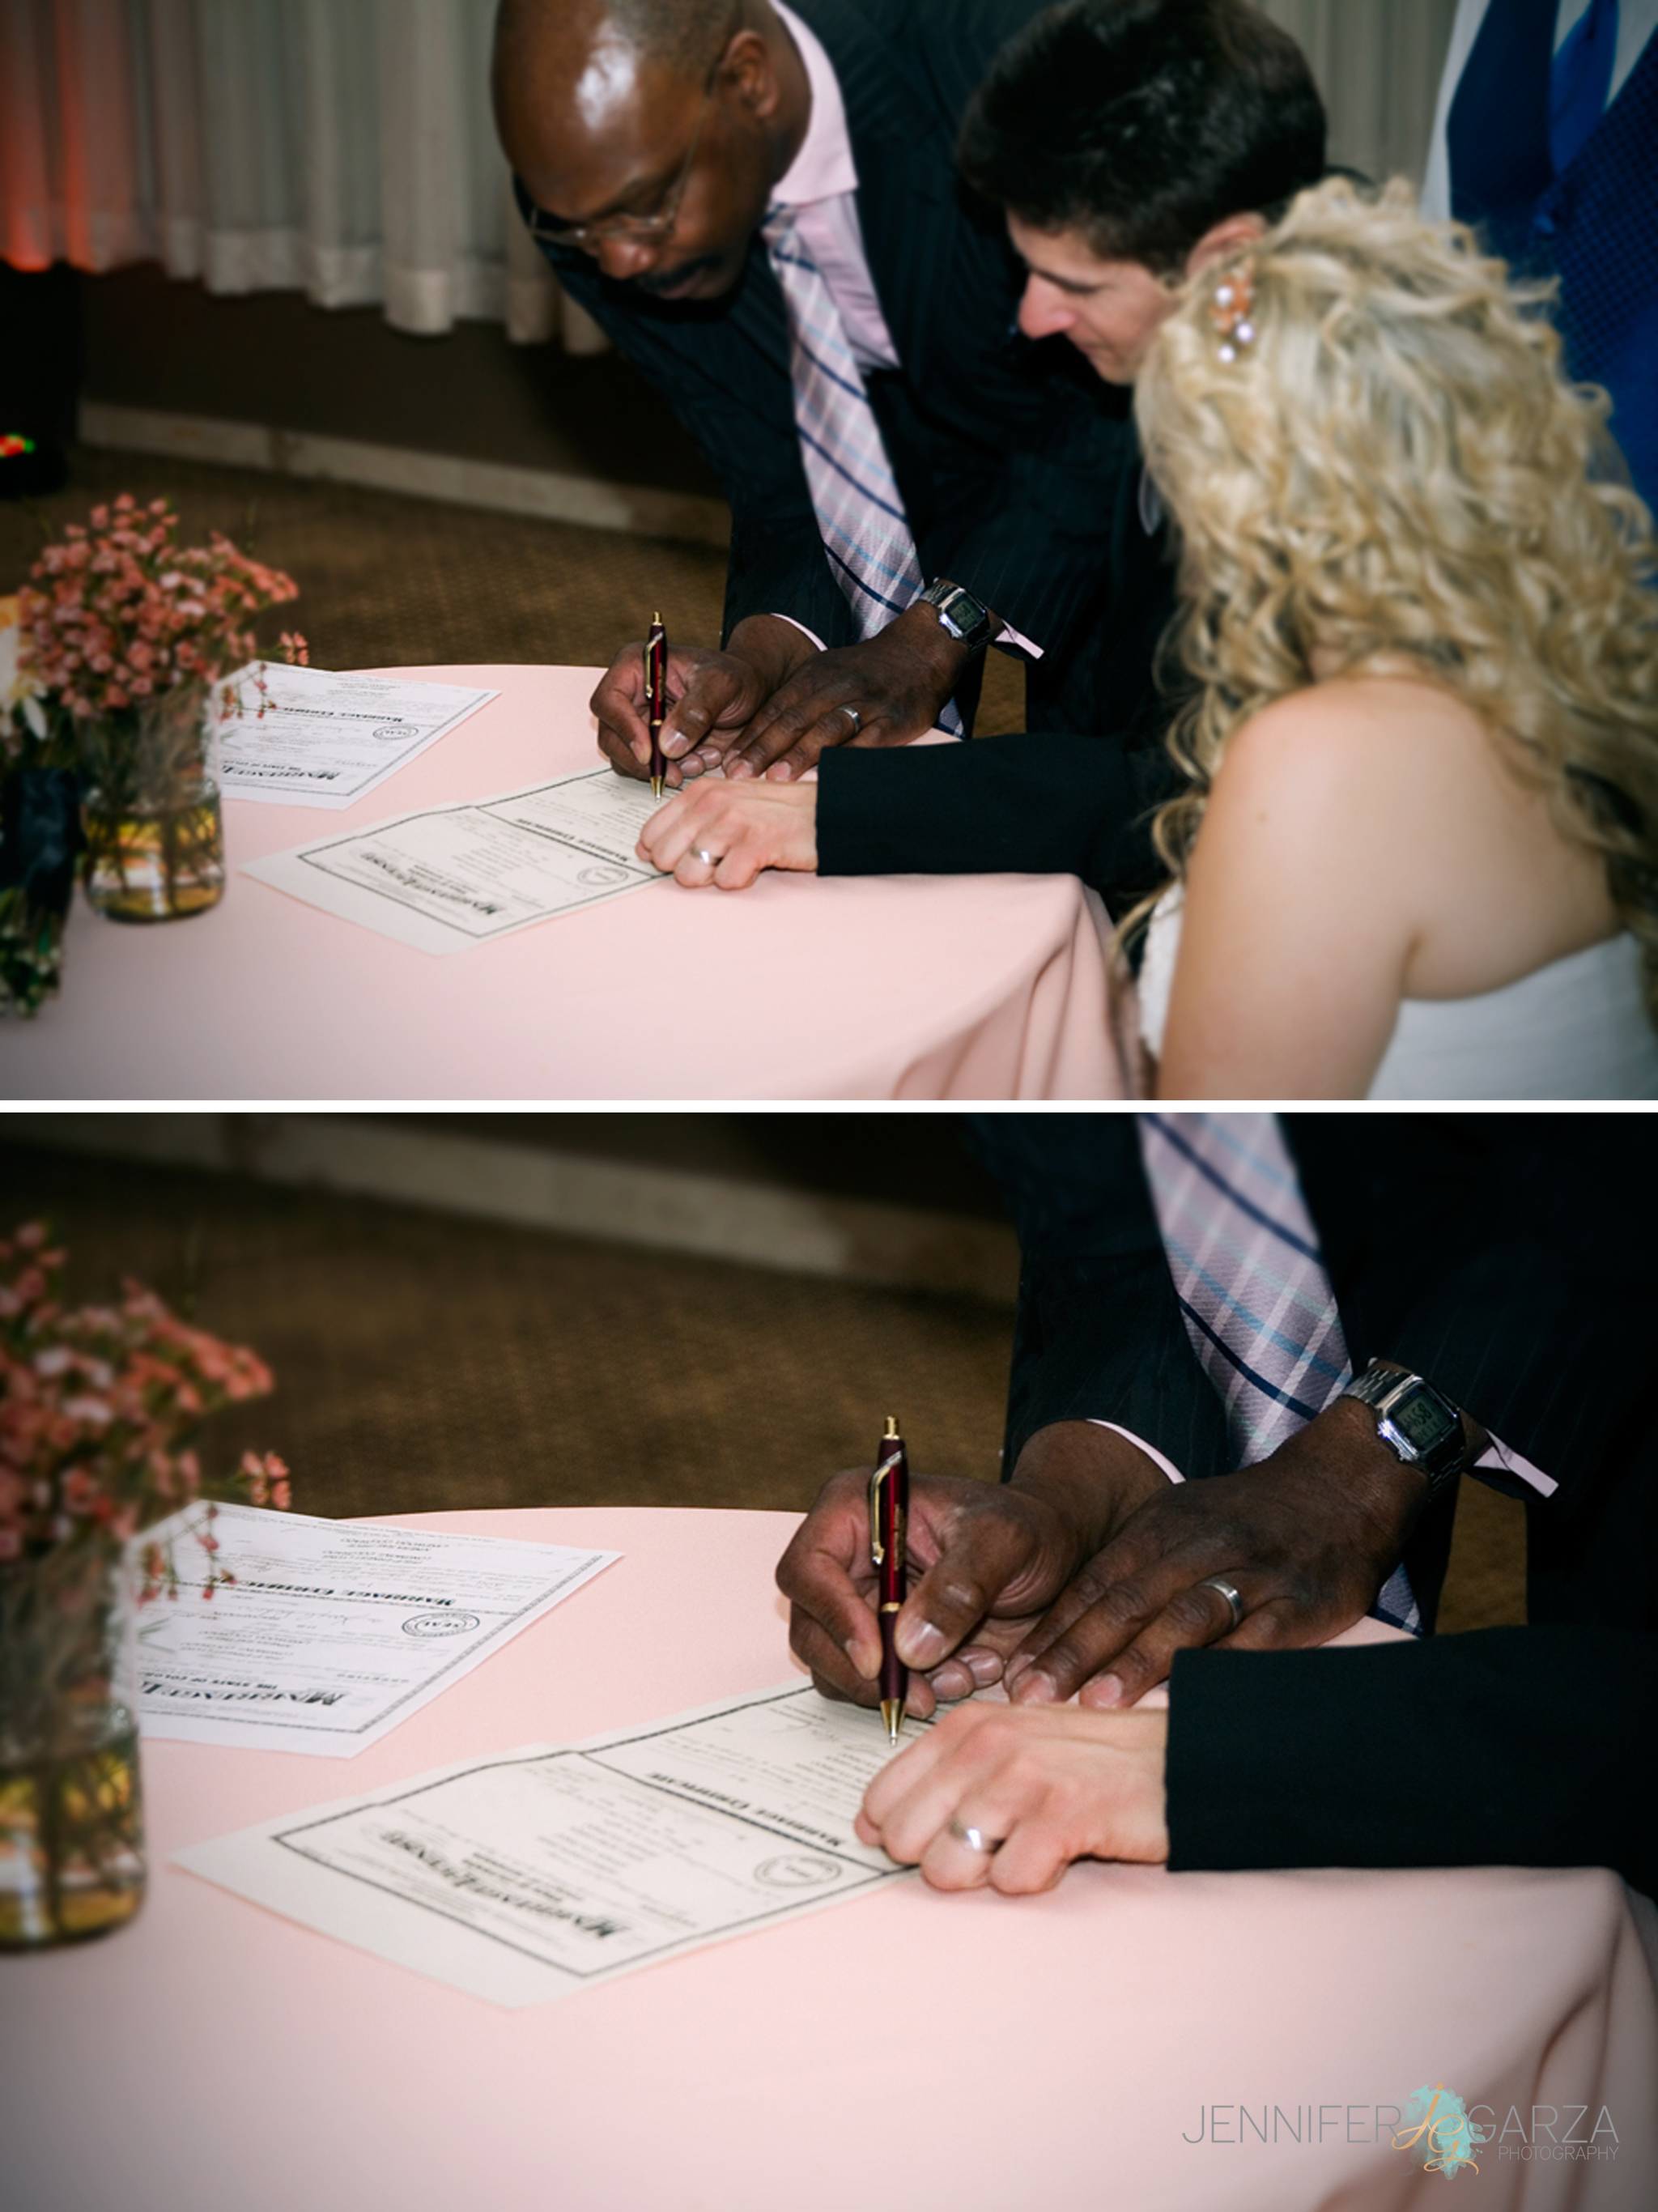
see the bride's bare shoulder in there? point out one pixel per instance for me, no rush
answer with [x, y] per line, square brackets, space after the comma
[1353, 738]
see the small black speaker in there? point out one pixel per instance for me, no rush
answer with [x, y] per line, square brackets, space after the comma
[42, 361]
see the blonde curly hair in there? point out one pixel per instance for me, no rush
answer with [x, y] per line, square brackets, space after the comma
[1391, 464]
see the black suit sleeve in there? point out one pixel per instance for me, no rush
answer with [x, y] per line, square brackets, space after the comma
[1508, 1258]
[1039, 547]
[725, 375]
[1098, 1335]
[1026, 806]
[1508, 1746]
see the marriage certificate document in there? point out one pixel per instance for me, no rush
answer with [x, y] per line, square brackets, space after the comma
[527, 1876]
[305, 737]
[452, 877]
[332, 1632]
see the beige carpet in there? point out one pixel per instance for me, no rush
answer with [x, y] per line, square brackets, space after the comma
[425, 1363]
[386, 581]
[1485, 1584]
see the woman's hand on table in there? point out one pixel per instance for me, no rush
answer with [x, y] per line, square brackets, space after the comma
[727, 833]
[995, 1797]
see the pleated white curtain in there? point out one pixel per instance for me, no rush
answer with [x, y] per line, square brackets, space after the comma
[341, 148]
[1378, 63]
[345, 148]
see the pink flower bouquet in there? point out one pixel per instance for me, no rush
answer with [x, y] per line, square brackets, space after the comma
[126, 630]
[97, 1405]
[119, 613]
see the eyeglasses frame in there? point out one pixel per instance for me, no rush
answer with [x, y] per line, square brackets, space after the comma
[640, 228]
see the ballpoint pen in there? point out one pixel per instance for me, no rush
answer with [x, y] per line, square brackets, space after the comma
[888, 1515]
[656, 698]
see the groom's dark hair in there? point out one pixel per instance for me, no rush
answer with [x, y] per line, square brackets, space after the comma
[1141, 124]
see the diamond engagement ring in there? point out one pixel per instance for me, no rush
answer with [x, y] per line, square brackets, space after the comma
[1229, 1591]
[857, 718]
[975, 1839]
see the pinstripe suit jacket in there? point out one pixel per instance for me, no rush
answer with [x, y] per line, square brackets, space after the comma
[1508, 1258]
[1017, 467]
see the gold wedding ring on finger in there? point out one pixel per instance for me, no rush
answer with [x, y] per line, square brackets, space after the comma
[975, 1838]
[1231, 1592]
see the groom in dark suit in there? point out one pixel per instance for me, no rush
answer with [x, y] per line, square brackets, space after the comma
[717, 180]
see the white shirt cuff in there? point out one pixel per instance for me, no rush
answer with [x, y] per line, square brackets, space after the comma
[1499, 1455]
[1006, 635]
[1521, 1469]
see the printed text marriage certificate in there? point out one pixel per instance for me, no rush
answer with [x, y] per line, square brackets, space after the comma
[529, 1876]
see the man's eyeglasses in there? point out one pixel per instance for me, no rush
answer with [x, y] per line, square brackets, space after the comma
[640, 230]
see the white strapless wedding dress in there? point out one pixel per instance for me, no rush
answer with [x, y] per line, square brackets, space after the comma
[1576, 1028]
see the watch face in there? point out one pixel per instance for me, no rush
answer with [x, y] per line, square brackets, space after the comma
[962, 610]
[1422, 1419]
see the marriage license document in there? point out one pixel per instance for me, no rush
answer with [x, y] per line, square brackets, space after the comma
[308, 736]
[452, 877]
[528, 1876]
[332, 1632]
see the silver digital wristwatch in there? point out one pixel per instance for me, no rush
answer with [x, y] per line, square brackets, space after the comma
[1419, 1424]
[966, 618]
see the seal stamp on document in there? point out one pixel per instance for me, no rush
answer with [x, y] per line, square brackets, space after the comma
[441, 1624]
[797, 1870]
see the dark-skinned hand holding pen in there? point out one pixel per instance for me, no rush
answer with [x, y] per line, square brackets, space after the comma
[985, 1561]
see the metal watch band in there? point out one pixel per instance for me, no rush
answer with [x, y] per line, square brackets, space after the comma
[967, 619]
[1386, 1392]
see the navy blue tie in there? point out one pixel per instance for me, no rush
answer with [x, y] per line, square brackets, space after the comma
[1593, 224]
[1580, 80]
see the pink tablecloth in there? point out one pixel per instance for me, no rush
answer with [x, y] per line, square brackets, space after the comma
[914, 986]
[908, 2053]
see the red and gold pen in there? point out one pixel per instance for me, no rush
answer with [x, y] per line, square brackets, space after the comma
[888, 1514]
[656, 698]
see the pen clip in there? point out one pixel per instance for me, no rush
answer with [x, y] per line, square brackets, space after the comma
[877, 1550]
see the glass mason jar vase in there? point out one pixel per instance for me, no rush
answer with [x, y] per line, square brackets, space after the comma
[71, 1832]
[149, 801]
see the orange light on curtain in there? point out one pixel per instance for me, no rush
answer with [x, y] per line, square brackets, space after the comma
[72, 173]
[345, 148]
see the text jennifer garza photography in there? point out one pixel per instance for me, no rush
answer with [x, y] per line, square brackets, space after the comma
[1433, 2124]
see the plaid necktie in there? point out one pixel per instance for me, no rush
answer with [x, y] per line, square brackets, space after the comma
[1257, 1302]
[859, 510]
